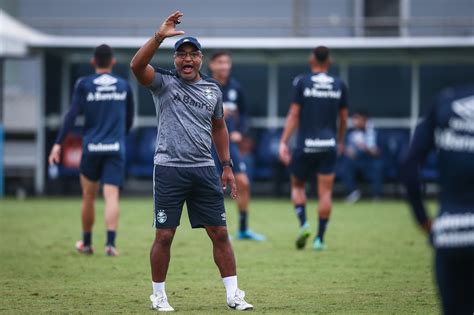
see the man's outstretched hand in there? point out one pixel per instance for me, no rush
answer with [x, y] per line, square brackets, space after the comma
[168, 28]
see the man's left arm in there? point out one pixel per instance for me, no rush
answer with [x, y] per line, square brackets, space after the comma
[130, 110]
[341, 130]
[421, 144]
[69, 120]
[242, 108]
[343, 115]
[220, 137]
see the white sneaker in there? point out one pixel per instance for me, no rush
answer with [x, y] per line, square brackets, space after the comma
[353, 197]
[238, 303]
[159, 302]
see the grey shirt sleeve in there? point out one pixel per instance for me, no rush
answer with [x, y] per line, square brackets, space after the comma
[219, 109]
[157, 83]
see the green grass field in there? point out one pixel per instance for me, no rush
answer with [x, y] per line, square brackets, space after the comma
[377, 262]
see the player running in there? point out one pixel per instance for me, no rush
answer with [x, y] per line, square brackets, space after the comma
[448, 129]
[318, 100]
[106, 102]
[190, 116]
[235, 116]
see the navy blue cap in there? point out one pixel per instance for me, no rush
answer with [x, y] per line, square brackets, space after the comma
[190, 40]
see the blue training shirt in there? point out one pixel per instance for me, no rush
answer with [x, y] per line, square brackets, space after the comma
[448, 128]
[233, 97]
[106, 101]
[321, 97]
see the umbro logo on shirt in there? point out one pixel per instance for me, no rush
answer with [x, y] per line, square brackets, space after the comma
[464, 107]
[105, 79]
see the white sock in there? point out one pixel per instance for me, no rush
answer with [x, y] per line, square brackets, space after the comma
[230, 284]
[158, 287]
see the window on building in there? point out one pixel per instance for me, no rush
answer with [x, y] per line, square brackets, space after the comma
[254, 81]
[53, 68]
[381, 18]
[435, 78]
[382, 91]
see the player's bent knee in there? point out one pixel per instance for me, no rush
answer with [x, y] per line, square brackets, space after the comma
[298, 195]
[218, 234]
[324, 208]
[111, 191]
[164, 237]
[88, 196]
[242, 181]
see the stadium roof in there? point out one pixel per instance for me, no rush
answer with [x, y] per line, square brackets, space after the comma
[265, 42]
[15, 37]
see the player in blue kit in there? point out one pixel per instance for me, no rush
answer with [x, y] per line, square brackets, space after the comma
[318, 101]
[190, 118]
[448, 128]
[235, 117]
[106, 101]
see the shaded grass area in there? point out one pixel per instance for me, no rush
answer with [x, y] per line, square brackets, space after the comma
[377, 262]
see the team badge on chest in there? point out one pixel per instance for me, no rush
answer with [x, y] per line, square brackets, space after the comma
[209, 94]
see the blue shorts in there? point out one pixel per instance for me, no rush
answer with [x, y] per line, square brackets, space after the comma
[304, 165]
[239, 166]
[199, 187]
[109, 169]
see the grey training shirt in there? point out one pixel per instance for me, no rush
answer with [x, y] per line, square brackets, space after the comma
[185, 112]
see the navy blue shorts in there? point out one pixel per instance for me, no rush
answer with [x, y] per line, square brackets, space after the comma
[109, 169]
[304, 165]
[199, 187]
[239, 166]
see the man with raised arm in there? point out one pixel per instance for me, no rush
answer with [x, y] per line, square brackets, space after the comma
[190, 117]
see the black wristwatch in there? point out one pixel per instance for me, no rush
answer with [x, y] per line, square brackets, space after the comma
[227, 163]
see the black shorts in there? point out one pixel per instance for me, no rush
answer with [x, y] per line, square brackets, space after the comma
[199, 187]
[108, 168]
[455, 276]
[304, 165]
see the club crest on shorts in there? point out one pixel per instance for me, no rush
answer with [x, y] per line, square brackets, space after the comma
[161, 216]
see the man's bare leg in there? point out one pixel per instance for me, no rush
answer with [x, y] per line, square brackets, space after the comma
[111, 196]
[325, 186]
[89, 192]
[298, 197]
[243, 200]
